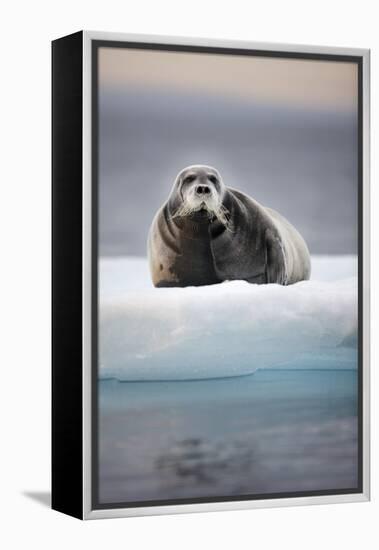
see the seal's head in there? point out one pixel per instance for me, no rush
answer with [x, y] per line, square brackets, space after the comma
[198, 193]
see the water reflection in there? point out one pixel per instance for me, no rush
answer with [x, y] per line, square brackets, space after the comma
[203, 462]
[274, 431]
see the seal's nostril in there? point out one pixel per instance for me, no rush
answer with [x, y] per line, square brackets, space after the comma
[203, 190]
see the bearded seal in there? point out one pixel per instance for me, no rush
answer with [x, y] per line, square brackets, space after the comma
[207, 233]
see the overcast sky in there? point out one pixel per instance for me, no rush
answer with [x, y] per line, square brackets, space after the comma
[283, 131]
[295, 82]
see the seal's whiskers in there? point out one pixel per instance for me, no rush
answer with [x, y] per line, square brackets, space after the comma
[220, 212]
[223, 216]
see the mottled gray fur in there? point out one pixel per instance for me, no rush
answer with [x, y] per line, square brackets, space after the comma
[207, 233]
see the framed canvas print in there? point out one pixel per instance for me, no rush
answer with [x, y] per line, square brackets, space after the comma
[210, 275]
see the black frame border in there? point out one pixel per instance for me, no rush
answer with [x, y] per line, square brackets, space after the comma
[230, 51]
[67, 292]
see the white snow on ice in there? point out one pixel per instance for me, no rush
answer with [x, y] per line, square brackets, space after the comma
[228, 329]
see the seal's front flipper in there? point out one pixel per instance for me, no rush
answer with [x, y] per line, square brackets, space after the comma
[276, 269]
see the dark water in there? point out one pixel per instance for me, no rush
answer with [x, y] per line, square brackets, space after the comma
[274, 431]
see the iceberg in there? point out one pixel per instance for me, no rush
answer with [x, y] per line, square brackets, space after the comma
[228, 329]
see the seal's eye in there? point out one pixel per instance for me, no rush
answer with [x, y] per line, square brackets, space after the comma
[189, 179]
[213, 179]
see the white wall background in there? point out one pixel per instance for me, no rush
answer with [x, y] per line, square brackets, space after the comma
[27, 28]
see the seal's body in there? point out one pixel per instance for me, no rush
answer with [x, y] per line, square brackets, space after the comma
[207, 233]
